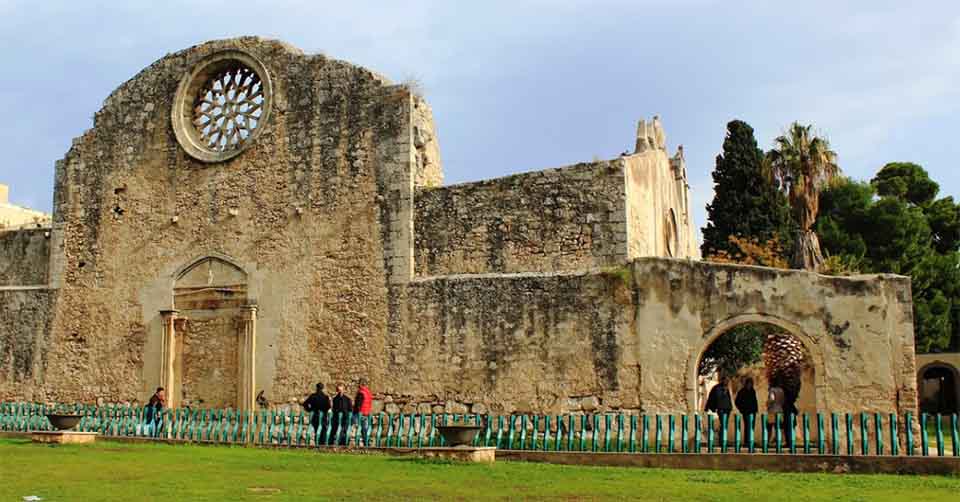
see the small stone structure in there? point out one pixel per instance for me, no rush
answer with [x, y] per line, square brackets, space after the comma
[245, 218]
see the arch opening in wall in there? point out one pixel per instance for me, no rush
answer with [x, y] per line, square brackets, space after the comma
[938, 388]
[766, 350]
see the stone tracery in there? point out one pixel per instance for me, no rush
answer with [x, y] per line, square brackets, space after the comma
[228, 108]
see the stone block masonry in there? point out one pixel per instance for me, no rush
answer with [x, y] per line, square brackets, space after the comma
[545, 221]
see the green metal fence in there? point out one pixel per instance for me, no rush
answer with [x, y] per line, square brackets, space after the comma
[823, 434]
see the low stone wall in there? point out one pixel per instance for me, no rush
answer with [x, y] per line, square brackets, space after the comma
[558, 219]
[24, 257]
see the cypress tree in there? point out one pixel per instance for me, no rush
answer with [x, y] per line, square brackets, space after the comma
[746, 203]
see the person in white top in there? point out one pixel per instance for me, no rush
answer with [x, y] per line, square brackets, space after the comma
[775, 399]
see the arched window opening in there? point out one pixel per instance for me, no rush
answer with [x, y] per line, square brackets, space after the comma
[938, 389]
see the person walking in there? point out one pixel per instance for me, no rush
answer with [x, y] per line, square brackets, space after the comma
[747, 405]
[318, 405]
[720, 403]
[342, 411]
[362, 404]
[719, 399]
[154, 411]
[775, 401]
[789, 423]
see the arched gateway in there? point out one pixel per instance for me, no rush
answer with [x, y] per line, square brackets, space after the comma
[244, 172]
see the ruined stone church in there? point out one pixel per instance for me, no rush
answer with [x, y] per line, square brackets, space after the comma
[244, 219]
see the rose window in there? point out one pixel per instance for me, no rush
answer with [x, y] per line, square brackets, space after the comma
[229, 108]
[222, 106]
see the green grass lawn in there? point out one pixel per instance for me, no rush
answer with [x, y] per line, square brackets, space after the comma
[119, 471]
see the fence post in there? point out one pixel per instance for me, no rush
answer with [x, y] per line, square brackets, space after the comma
[924, 442]
[583, 432]
[954, 433]
[764, 433]
[736, 433]
[619, 432]
[865, 435]
[571, 425]
[632, 447]
[659, 434]
[499, 443]
[559, 441]
[878, 432]
[684, 433]
[894, 439]
[671, 431]
[696, 433]
[723, 419]
[596, 433]
[849, 434]
[821, 439]
[645, 434]
[523, 432]
[940, 448]
[546, 432]
[606, 431]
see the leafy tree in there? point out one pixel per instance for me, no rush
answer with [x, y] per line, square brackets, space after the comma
[905, 230]
[735, 349]
[746, 219]
[803, 164]
[745, 203]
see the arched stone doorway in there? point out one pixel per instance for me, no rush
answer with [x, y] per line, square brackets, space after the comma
[808, 383]
[210, 337]
[938, 385]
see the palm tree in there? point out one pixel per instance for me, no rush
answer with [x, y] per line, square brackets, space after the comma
[802, 163]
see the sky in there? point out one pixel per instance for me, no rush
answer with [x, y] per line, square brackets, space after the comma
[526, 85]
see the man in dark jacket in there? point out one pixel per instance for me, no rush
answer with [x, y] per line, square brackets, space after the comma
[719, 399]
[747, 405]
[318, 404]
[154, 416]
[342, 411]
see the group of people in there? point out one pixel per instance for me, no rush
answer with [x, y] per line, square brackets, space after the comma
[779, 402]
[319, 405]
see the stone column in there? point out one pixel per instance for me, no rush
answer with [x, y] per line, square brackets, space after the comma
[247, 359]
[168, 354]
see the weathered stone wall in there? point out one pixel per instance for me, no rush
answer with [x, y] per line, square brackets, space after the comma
[559, 219]
[24, 257]
[659, 220]
[307, 212]
[631, 338]
[25, 318]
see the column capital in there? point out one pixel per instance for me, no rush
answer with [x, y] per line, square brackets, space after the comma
[169, 313]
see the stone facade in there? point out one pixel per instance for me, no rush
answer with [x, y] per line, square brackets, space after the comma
[322, 247]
